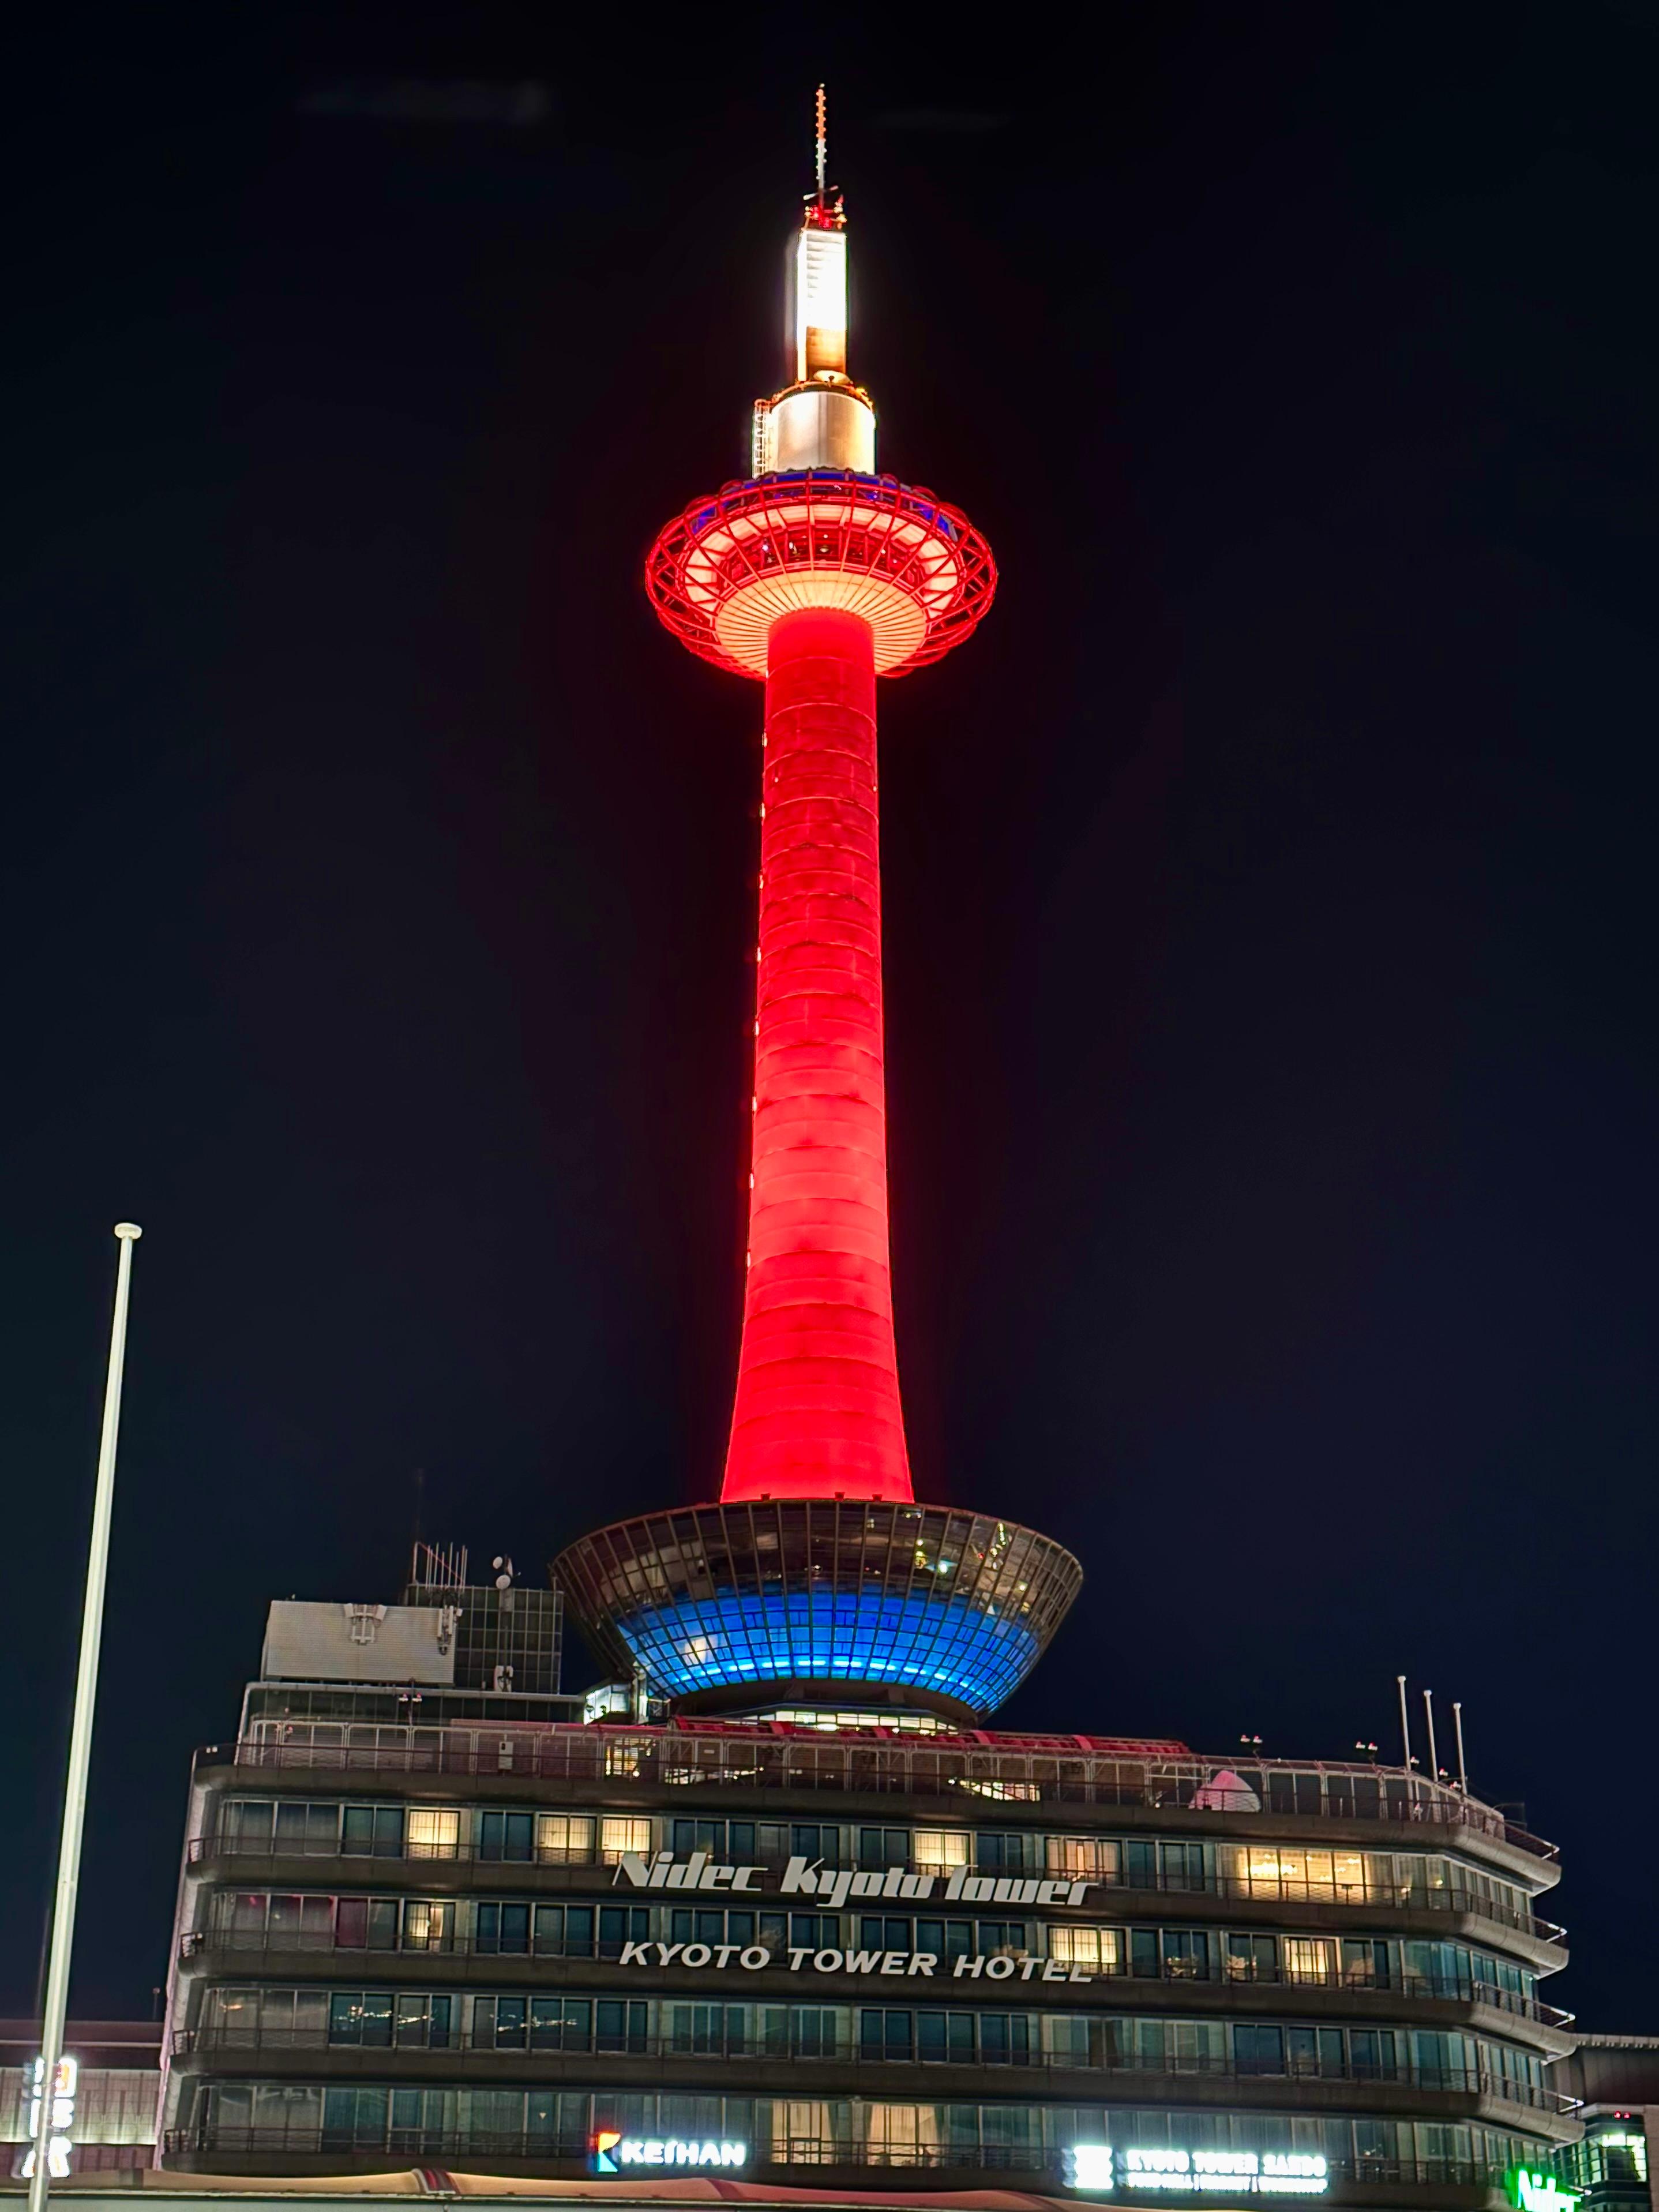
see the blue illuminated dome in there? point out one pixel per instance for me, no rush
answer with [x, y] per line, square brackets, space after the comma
[821, 1602]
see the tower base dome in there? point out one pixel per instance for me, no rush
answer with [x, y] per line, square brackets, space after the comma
[821, 1602]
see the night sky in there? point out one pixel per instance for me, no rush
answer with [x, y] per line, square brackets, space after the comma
[1269, 947]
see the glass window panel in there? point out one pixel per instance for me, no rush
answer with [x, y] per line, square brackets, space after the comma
[562, 1837]
[619, 1833]
[1097, 1950]
[941, 1851]
[434, 1832]
[1308, 1958]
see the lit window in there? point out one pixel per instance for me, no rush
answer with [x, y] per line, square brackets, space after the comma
[1097, 1950]
[433, 1834]
[618, 1834]
[562, 1837]
[1308, 1959]
[1349, 1871]
[941, 1851]
[1090, 1858]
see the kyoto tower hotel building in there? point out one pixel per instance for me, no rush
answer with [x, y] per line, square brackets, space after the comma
[783, 1907]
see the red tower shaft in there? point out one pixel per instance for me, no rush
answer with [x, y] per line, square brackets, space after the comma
[818, 1411]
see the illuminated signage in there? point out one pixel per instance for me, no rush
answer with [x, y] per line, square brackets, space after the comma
[63, 2118]
[1099, 2169]
[833, 1885]
[613, 2150]
[1539, 2193]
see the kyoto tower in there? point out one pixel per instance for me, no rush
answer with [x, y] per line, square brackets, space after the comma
[817, 1581]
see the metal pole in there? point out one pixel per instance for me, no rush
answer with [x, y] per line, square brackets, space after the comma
[1457, 1724]
[1405, 1724]
[1434, 1756]
[86, 1689]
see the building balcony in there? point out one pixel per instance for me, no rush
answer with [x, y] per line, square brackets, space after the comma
[1017, 1776]
[1297, 1903]
[823, 2165]
[833, 2069]
[1407, 2000]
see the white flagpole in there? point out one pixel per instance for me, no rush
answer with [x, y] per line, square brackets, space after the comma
[86, 1691]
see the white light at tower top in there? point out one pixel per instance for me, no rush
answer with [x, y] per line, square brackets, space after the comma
[819, 302]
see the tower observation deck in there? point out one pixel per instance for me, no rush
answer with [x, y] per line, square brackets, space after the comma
[817, 1576]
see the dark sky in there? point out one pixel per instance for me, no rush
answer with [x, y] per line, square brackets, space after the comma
[1269, 884]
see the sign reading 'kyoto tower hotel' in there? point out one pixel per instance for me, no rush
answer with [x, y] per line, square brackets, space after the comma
[817, 1581]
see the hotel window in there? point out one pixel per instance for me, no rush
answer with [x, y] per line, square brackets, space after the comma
[1308, 1959]
[1015, 1854]
[1085, 1858]
[301, 1923]
[428, 1926]
[1186, 1955]
[370, 1831]
[563, 1838]
[365, 1924]
[1252, 1958]
[1097, 1950]
[802, 2132]
[880, 1847]
[618, 1834]
[1365, 1964]
[941, 1851]
[433, 1834]
[813, 1840]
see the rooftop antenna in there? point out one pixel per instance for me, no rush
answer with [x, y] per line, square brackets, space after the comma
[1457, 1724]
[1434, 1756]
[1405, 1724]
[820, 116]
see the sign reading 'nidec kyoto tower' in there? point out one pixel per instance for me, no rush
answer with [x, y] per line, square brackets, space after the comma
[817, 1580]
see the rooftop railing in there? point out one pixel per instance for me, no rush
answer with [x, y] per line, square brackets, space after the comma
[686, 1756]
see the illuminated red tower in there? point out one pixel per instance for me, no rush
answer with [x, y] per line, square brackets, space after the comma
[816, 576]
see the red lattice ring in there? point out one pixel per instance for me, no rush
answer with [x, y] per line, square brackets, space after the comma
[720, 573]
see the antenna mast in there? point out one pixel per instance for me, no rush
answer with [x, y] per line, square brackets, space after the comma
[820, 118]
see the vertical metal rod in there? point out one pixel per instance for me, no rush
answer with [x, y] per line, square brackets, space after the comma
[821, 130]
[1405, 1724]
[85, 1691]
[1457, 1725]
[1434, 1758]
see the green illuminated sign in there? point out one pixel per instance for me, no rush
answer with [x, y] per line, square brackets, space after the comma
[1530, 2191]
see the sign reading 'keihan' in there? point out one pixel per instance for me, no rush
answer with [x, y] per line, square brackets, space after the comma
[831, 1886]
